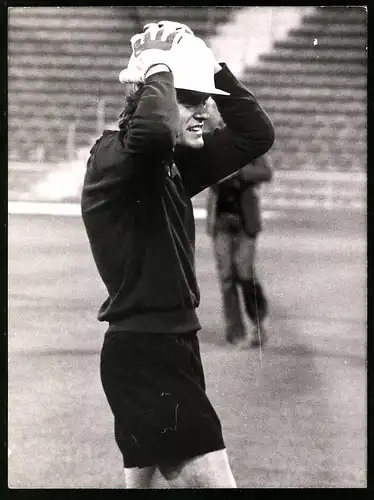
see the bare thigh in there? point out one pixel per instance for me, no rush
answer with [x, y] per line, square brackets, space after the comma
[211, 470]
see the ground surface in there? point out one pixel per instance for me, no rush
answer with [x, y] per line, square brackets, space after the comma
[294, 414]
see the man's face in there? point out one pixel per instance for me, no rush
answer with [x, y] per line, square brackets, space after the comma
[192, 113]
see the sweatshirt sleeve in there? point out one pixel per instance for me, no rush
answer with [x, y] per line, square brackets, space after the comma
[150, 138]
[152, 131]
[248, 133]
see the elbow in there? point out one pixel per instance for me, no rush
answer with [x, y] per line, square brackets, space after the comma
[265, 135]
[269, 174]
[271, 136]
[269, 178]
[268, 137]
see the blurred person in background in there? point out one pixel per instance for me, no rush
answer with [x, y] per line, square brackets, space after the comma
[137, 211]
[234, 222]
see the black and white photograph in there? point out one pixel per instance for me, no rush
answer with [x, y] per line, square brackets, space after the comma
[187, 247]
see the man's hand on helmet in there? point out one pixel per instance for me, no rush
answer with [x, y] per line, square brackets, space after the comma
[170, 26]
[152, 47]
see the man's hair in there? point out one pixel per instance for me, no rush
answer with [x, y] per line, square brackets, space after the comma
[186, 97]
[132, 101]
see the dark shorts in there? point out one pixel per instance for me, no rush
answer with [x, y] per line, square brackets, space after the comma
[155, 387]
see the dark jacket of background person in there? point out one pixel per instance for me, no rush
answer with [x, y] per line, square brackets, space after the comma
[245, 184]
[136, 202]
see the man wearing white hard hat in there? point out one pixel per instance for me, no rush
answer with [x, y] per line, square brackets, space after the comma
[137, 211]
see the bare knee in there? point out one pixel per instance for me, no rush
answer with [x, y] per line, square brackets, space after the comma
[139, 478]
[211, 470]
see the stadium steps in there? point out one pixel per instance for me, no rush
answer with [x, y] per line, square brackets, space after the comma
[313, 106]
[73, 56]
[261, 75]
[340, 15]
[42, 37]
[50, 62]
[331, 190]
[281, 84]
[26, 106]
[316, 122]
[48, 50]
[47, 13]
[319, 161]
[63, 61]
[302, 42]
[345, 27]
[313, 85]
[269, 92]
[309, 92]
[332, 55]
[307, 68]
[195, 17]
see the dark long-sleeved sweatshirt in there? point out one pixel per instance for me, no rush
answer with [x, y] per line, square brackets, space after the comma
[136, 202]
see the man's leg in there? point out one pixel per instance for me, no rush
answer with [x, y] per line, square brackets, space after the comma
[211, 470]
[254, 298]
[223, 243]
[139, 478]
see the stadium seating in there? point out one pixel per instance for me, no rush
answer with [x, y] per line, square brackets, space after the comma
[63, 86]
[313, 85]
[63, 71]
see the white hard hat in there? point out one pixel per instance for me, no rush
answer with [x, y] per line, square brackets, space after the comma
[191, 62]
